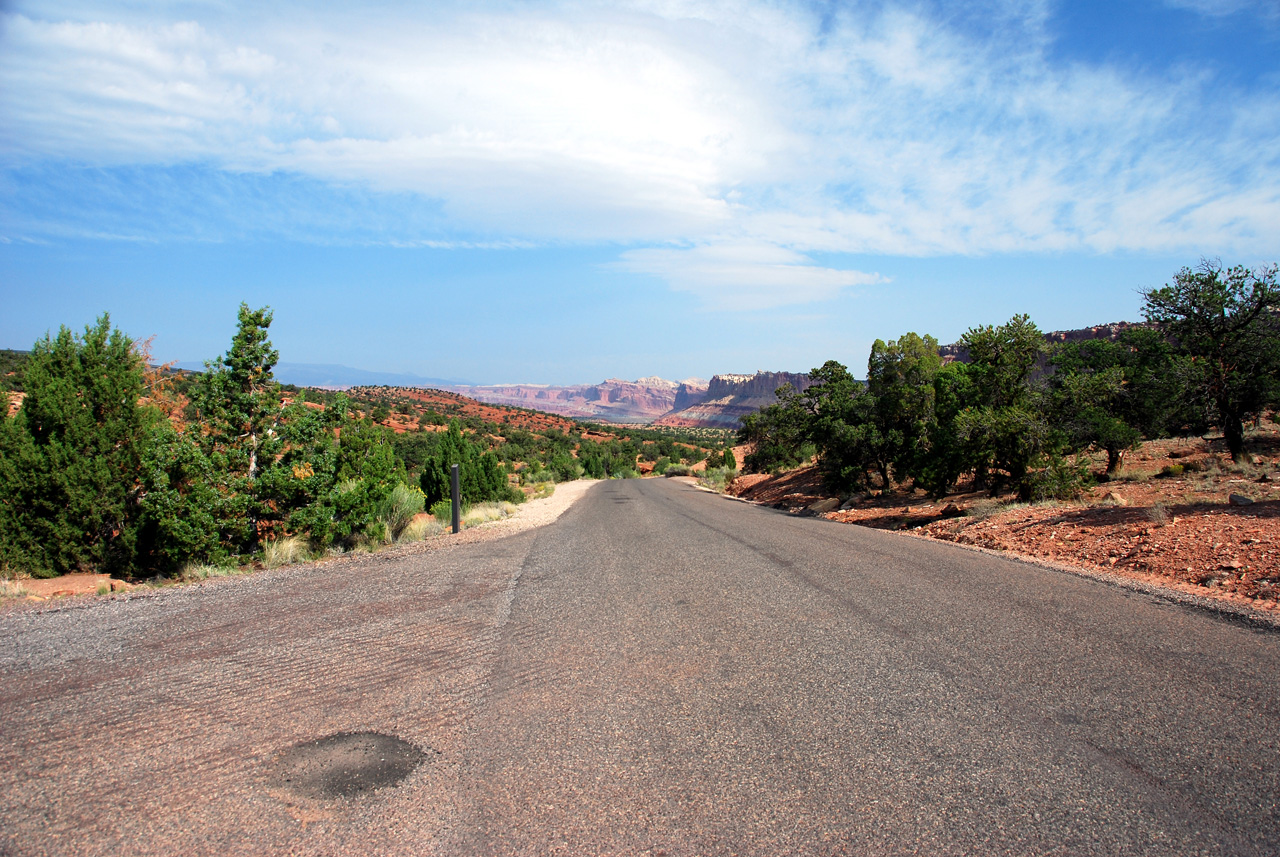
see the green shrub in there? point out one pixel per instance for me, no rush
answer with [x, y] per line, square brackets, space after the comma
[678, 470]
[442, 510]
[1061, 479]
[1171, 471]
[717, 478]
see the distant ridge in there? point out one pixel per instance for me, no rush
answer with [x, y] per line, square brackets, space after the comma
[337, 377]
[613, 400]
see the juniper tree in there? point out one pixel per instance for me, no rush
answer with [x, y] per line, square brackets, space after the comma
[1226, 320]
[71, 455]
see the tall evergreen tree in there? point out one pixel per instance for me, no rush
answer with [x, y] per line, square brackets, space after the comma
[238, 408]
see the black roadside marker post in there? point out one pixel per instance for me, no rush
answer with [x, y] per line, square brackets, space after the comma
[457, 506]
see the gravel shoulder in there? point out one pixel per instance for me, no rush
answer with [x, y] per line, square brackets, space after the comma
[78, 590]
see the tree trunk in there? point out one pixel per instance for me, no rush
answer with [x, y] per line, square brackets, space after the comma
[253, 457]
[980, 478]
[1233, 433]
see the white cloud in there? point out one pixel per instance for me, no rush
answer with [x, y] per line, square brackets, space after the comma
[730, 124]
[1222, 8]
[744, 276]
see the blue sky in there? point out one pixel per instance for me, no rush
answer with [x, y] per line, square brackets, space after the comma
[563, 192]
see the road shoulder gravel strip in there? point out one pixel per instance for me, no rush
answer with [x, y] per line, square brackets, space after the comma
[529, 515]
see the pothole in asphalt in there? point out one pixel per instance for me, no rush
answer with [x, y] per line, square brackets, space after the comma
[346, 765]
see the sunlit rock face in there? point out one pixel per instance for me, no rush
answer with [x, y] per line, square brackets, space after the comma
[614, 400]
[728, 398]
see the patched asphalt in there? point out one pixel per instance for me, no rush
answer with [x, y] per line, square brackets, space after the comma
[661, 671]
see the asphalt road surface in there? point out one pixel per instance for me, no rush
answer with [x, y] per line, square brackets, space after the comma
[661, 671]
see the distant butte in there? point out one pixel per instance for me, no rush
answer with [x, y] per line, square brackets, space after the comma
[720, 403]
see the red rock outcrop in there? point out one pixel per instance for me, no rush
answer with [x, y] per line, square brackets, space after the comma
[731, 397]
[613, 400]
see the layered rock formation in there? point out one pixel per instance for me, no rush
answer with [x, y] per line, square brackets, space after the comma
[614, 400]
[728, 398]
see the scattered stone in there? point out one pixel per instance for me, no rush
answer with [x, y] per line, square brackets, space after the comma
[1116, 499]
[1240, 500]
[823, 506]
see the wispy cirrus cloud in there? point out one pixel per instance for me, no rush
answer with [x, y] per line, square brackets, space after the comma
[752, 133]
[1265, 9]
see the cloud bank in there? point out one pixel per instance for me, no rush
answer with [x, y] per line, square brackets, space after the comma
[720, 142]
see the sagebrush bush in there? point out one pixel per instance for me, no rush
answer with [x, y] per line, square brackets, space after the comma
[717, 478]
[1157, 514]
[399, 509]
[985, 508]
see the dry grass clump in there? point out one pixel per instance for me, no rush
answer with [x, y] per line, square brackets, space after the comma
[202, 571]
[286, 551]
[542, 489]
[421, 528]
[11, 587]
[483, 513]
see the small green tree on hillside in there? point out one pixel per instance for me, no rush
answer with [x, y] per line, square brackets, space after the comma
[1006, 429]
[1110, 394]
[481, 476]
[236, 396]
[900, 377]
[1226, 320]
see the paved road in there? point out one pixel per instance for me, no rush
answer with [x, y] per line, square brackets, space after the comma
[662, 671]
